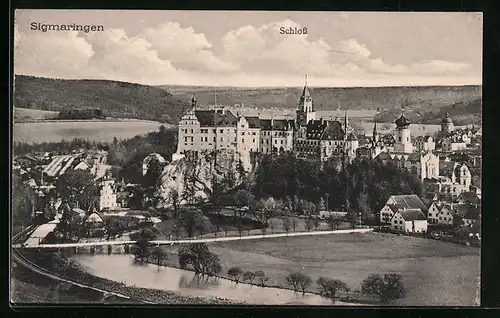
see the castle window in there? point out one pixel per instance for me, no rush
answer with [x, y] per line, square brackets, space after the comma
[275, 141]
[222, 131]
[215, 139]
[201, 139]
[243, 133]
[192, 131]
[215, 131]
[282, 142]
[254, 140]
[221, 138]
[242, 140]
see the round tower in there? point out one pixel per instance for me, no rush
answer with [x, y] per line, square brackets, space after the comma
[403, 135]
[447, 124]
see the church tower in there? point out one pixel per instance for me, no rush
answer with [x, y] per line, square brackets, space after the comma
[305, 111]
[446, 124]
[403, 135]
[375, 134]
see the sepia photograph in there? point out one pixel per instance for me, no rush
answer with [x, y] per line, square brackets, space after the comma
[246, 158]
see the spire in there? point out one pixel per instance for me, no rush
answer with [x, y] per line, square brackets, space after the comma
[346, 121]
[375, 133]
[193, 101]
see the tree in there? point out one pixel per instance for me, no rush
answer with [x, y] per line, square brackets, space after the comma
[23, 201]
[145, 234]
[329, 287]
[309, 224]
[321, 205]
[316, 223]
[192, 221]
[174, 199]
[261, 276]
[263, 212]
[286, 224]
[235, 273]
[249, 277]
[272, 225]
[390, 287]
[114, 227]
[294, 224]
[200, 258]
[298, 281]
[159, 255]
[312, 209]
[141, 250]
[333, 221]
[77, 188]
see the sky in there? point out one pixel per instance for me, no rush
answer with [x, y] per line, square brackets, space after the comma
[245, 48]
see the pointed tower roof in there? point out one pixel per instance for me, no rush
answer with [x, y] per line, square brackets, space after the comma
[193, 99]
[305, 92]
[402, 121]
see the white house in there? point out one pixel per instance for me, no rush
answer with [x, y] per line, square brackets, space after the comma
[107, 193]
[425, 143]
[403, 202]
[445, 215]
[433, 213]
[409, 221]
[94, 218]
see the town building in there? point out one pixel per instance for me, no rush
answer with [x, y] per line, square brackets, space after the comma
[400, 202]
[107, 193]
[409, 221]
[445, 215]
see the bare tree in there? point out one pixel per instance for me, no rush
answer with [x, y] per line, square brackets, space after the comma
[298, 281]
[235, 273]
[286, 224]
[249, 277]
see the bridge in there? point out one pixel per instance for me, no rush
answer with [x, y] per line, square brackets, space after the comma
[193, 240]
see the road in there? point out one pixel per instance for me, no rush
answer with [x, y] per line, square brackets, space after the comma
[207, 240]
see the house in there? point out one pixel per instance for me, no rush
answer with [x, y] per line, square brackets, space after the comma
[404, 202]
[409, 221]
[327, 214]
[468, 233]
[433, 213]
[82, 165]
[107, 193]
[425, 143]
[468, 197]
[94, 218]
[445, 215]
[467, 214]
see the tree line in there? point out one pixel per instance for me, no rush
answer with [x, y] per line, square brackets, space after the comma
[363, 185]
[81, 113]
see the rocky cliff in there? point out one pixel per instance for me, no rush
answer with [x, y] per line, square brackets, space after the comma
[193, 176]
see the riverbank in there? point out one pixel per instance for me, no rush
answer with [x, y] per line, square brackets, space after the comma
[65, 268]
[343, 300]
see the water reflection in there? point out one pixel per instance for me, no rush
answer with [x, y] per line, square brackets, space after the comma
[123, 268]
[198, 281]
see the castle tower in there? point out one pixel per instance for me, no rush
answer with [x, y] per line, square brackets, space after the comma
[447, 124]
[193, 102]
[305, 111]
[375, 134]
[403, 135]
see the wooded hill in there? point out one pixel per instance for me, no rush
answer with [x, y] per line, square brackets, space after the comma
[165, 103]
[115, 99]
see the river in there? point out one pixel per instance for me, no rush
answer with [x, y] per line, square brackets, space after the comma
[122, 268]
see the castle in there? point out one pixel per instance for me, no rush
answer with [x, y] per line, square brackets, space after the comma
[202, 130]
[205, 130]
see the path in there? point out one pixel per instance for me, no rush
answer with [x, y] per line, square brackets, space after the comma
[206, 240]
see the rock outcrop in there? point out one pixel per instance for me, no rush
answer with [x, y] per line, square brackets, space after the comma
[192, 176]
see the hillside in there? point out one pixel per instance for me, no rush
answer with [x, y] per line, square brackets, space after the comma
[115, 99]
[165, 103]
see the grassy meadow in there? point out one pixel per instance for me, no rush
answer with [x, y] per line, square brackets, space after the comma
[435, 273]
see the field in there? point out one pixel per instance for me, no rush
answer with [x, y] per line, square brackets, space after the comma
[435, 273]
[93, 130]
[26, 114]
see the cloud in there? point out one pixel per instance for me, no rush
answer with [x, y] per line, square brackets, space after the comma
[51, 54]
[249, 55]
[185, 48]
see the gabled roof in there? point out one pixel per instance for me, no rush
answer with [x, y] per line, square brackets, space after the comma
[352, 137]
[94, 218]
[467, 211]
[468, 197]
[333, 131]
[409, 201]
[412, 215]
[282, 124]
